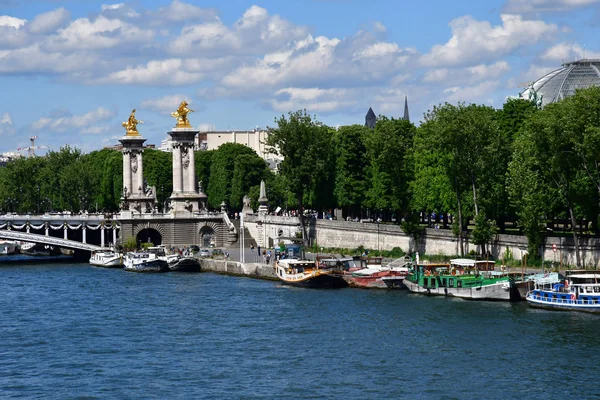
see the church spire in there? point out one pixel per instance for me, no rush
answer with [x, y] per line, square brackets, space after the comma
[406, 117]
[370, 119]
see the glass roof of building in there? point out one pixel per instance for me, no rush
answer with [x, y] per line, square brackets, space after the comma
[563, 82]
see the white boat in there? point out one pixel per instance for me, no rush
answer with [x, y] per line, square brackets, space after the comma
[580, 292]
[8, 247]
[176, 262]
[144, 262]
[106, 258]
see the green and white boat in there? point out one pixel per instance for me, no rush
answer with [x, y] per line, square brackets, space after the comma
[464, 278]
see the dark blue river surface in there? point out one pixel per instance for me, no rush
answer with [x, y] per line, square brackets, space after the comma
[75, 331]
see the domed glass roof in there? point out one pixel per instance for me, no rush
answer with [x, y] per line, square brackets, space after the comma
[563, 82]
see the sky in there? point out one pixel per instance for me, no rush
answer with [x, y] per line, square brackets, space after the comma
[72, 71]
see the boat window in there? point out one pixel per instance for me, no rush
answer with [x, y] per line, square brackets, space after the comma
[458, 283]
[445, 281]
[451, 282]
[596, 289]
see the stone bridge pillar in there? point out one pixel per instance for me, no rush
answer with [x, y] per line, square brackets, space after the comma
[137, 196]
[185, 198]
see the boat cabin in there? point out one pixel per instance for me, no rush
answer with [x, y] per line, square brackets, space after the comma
[345, 263]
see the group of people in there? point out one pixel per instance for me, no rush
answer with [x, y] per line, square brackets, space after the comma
[265, 256]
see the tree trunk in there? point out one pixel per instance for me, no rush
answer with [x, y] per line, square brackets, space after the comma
[475, 197]
[575, 236]
[460, 224]
[301, 217]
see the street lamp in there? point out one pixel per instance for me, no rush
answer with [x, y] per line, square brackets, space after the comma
[378, 221]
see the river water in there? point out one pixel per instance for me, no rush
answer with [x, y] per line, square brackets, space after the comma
[72, 331]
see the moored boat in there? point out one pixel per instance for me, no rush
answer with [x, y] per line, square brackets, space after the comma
[579, 292]
[521, 283]
[182, 263]
[107, 258]
[176, 262]
[8, 247]
[464, 278]
[305, 273]
[144, 262]
[379, 276]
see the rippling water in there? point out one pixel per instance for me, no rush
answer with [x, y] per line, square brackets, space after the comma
[75, 331]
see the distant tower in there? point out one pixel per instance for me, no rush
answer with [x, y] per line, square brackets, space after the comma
[370, 119]
[406, 117]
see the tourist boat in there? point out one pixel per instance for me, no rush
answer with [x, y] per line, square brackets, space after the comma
[379, 276]
[579, 292]
[521, 283]
[305, 273]
[106, 258]
[464, 278]
[144, 262]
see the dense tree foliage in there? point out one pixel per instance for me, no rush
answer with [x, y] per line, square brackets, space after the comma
[469, 164]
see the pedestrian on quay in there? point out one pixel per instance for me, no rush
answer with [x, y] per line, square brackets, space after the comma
[269, 257]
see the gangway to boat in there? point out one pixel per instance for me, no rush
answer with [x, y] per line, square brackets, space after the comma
[399, 262]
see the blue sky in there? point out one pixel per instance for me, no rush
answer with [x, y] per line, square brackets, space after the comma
[72, 71]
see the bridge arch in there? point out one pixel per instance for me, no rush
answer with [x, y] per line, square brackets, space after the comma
[208, 234]
[149, 233]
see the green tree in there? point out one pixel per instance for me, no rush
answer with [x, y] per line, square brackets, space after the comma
[222, 170]
[248, 171]
[350, 168]
[203, 160]
[390, 169]
[304, 143]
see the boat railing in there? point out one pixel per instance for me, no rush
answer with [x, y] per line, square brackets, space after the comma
[539, 296]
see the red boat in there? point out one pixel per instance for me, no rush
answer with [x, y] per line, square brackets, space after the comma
[378, 276]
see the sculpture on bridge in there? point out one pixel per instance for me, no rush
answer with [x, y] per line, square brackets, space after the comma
[181, 115]
[131, 124]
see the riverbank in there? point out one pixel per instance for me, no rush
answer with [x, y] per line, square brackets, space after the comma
[227, 267]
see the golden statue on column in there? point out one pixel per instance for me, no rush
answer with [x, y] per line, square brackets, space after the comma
[181, 115]
[131, 125]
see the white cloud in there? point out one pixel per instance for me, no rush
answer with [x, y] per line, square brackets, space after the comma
[87, 123]
[467, 75]
[49, 21]
[12, 22]
[101, 33]
[529, 6]
[162, 72]
[165, 104]
[471, 94]
[32, 59]
[6, 124]
[255, 32]
[320, 62]
[564, 52]
[178, 11]
[475, 41]
[313, 99]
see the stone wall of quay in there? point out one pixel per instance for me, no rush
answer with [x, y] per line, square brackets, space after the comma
[349, 235]
[253, 270]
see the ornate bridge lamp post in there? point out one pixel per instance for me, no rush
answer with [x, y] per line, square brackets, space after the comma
[11, 203]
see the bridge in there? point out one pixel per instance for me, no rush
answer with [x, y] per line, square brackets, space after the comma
[91, 231]
[43, 239]
[75, 229]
